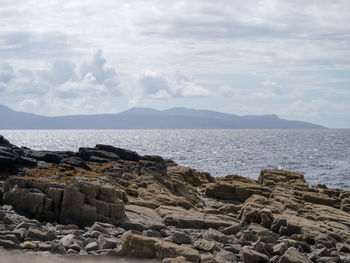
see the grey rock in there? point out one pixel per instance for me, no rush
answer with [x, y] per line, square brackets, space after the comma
[92, 247]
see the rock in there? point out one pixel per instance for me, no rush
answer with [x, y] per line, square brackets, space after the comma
[39, 234]
[231, 230]
[107, 243]
[317, 198]
[279, 249]
[8, 244]
[252, 256]
[138, 246]
[92, 247]
[212, 234]
[234, 187]
[293, 256]
[29, 245]
[44, 246]
[152, 164]
[205, 245]
[167, 249]
[122, 153]
[181, 218]
[58, 249]
[75, 162]
[225, 256]
[181, 238]
[141, 218]
[147, 247]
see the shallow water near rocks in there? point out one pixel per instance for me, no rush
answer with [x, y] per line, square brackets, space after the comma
[322, 155]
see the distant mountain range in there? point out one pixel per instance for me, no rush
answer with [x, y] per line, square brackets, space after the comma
[146, 118]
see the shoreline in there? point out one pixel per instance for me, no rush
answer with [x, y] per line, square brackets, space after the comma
[110, 201]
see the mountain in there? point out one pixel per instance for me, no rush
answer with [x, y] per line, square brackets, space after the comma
[146, 118]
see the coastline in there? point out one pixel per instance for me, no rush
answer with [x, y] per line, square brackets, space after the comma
[110, 201]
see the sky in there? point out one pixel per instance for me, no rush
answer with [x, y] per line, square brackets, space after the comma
[290, 58]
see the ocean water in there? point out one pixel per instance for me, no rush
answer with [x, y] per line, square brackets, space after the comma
[323, 156]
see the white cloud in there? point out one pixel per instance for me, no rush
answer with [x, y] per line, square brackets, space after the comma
[227, 91]
[164, 86]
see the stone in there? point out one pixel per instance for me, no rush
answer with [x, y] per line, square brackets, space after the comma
[167, 249]
[181, 238]
[141, 218]
[205, 245]
[58, 249]
[293, 256]
[29, 245]
[38, 233]
[225, 256]
[107, 243]
[92, 247]
[8, 244]
[252, 256]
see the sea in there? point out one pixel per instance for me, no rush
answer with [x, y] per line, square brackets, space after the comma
[323, 156]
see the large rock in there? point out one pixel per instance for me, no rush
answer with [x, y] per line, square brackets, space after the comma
[141, 218]
[81, 203]
[147, 247]
[234, 187]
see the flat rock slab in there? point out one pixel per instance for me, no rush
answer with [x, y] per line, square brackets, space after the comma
[141, 218]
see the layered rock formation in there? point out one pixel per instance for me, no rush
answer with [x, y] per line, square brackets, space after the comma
[110, 201]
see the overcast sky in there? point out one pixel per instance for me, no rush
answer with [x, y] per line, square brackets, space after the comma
[290, 58]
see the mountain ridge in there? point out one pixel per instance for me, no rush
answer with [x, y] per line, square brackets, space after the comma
[148, 118]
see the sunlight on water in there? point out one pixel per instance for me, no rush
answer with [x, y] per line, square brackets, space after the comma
[322, 155]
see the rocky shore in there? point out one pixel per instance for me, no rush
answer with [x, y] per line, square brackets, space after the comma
[111, 202]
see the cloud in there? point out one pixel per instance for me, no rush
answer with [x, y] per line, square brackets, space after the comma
[6, 73]
[164, 86]
[227, 91]
[60, 84]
